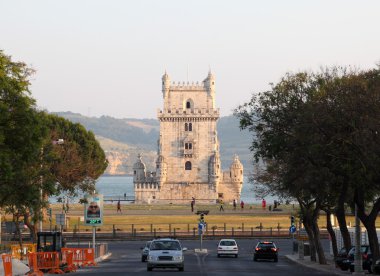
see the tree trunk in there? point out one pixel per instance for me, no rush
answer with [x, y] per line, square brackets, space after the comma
[32, 228]
[16, 220]
[317, 241]
[341, 217]
[369, 222]
[331, 233]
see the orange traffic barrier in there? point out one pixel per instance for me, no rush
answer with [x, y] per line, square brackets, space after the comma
[89, 256]
[7, 264]
[32, 260]
[17, 252]
[49, 261]
[83, 256]
[67, 260]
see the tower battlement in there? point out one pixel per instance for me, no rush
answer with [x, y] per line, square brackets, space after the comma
[183, 112]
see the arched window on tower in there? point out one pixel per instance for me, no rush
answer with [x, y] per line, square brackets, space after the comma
[190, 146]
[186, 146]
[188, 166]
[190, 127]
[188, 104]
[186, 127]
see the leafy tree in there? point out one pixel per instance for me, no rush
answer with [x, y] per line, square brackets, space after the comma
[30, 162]
[318, 136]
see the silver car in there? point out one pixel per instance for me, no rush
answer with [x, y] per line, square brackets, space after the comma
[166, 253]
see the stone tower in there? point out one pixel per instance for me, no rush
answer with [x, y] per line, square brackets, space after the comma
[188, 163]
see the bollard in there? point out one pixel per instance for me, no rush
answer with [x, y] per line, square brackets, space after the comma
[242, 227]
[271, 231]
[133, 229]
[233, 231]
[170, 229]
[188, 228]
[113, 231]
[151, 228]
[278, 228]
[225, 228]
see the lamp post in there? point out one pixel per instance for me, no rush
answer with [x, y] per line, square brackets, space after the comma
[54, 142]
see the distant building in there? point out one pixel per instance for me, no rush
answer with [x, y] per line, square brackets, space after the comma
[188, 162]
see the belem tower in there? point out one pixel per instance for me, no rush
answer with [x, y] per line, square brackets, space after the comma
[188, 163]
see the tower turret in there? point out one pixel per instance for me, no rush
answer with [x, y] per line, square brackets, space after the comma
[139, 173]
[165, 85]
[161, 170]
[209, 83]
[236, 171]
[214, 168]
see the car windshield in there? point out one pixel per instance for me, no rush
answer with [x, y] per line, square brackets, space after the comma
[227, 243]
[148, 244]
[165, 245]
[265, 245]
[363, 249]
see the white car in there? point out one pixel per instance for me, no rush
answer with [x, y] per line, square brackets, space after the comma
[228, 247]
[166, 253]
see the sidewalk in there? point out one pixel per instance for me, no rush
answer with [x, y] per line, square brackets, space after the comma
[329, 269]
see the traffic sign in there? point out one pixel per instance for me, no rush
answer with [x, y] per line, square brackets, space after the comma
[201, 228]
[292, 229]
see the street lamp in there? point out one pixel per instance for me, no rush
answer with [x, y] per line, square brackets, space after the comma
[54, 142]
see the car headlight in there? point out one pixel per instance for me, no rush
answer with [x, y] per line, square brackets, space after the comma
[177, 258]
[151, 258]
[378, 262]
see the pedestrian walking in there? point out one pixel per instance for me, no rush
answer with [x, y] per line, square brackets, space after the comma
[242, 205]
[221, 205]
[263, 204]
[234, 204]
[118, 207]
[192, 206]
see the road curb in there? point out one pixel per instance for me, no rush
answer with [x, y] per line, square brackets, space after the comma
[102, 258]
[315, 266]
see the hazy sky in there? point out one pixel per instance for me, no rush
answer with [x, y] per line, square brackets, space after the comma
[107, 57]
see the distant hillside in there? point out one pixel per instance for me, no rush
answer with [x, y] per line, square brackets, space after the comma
[123, 139]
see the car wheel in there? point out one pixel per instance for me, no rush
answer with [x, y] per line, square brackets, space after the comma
[352, 268]
[275, 260]
[218, 255]
[181, 268]
[236, 255]
[149, 268]
[142, 259]
[254, 258]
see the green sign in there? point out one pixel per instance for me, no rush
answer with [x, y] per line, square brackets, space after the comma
[93, 210]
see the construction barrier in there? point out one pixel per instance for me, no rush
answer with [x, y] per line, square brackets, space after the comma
[32, 261]
[17, 252]
[83, 256]
[67, 260]
[7, 264]
[49, 261]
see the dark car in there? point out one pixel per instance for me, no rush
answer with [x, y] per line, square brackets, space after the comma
[145, 251]
[366, 258]
[341, 259]
[266, 250]
[376, 267]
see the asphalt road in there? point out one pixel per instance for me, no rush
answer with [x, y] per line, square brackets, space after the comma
[126, 260]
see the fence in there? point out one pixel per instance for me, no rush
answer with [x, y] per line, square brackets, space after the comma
[351, 230]
[183, 230]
